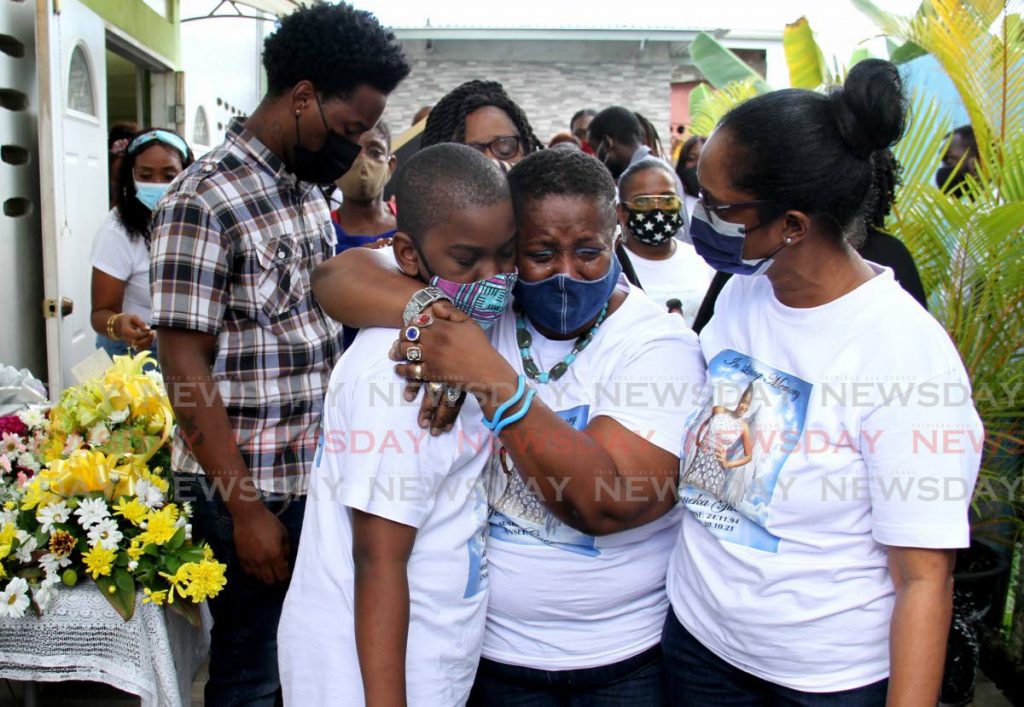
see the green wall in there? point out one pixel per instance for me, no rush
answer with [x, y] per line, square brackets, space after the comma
[147, 27]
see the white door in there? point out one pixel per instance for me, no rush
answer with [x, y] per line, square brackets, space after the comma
[70, 56]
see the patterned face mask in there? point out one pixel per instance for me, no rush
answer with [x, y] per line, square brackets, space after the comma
[654, 226]
[484, 300]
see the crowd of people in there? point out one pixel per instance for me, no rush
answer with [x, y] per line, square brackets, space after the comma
[465, 445]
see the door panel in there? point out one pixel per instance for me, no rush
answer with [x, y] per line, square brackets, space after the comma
[73, 172]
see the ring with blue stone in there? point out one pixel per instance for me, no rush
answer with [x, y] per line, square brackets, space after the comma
[412, 333]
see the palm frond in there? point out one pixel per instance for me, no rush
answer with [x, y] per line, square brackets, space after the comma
[717, 103]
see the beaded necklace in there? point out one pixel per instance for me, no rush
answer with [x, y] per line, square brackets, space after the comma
[524, 339]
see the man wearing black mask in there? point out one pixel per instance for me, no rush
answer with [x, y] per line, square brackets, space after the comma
[246, 351]
[959, 160]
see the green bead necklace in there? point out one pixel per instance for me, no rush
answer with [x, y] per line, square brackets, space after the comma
[523, 339]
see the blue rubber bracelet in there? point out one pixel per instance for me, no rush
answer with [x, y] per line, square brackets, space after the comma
[520, 414]
[503, 408]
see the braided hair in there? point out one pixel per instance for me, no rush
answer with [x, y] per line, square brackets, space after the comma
[447, 121]
[650, 135]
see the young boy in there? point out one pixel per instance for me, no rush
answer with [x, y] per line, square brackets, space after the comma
[388, 598]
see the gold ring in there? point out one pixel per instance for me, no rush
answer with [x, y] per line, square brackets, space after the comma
[418, 372]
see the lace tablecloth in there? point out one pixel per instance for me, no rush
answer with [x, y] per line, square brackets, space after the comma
[155, 655]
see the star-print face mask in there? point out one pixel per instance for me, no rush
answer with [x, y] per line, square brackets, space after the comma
[654, 226]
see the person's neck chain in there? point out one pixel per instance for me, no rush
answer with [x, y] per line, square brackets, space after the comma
[524, 340]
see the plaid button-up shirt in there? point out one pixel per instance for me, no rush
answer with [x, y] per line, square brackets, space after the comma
[233, 245]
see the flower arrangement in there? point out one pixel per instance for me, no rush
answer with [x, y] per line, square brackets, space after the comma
[86, 496]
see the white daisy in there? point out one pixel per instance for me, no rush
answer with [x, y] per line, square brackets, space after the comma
[11, 444]
[14, 598]
[91, 511]
[149, 494]
[27, 547]
[53, 565]
[105, 533]
[5, 464]
[45, 593]
[27, 461]
[119, 416]
[133, 565]
[54, 513]
[74, 441]
[33, 417]
[98, 435]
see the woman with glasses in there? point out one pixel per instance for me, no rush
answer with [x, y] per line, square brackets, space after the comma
[814, 564]
[480, 114]
[121, 302]
[650, 214]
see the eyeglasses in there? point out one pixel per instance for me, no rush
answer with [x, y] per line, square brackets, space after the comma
[650, 202]
[503, 148]
[725, 207]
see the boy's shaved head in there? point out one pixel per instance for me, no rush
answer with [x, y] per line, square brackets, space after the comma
[443, 178]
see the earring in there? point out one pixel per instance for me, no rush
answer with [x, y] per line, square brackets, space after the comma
[788, 240]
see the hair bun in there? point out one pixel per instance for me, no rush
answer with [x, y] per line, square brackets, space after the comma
[870, 108]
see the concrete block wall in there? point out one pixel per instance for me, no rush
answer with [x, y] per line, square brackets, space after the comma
[549, 92]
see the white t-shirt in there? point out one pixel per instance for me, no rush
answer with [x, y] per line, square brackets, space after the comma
[683, 276]
[561, 599]
[781, 569]
[119, 255]
[374, 457]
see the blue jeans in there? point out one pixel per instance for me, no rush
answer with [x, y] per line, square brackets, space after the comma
[243, 641]
[696, 677]
[635, 682]
[119, 348]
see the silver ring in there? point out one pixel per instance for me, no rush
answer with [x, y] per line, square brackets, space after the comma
[418, 372]
[452, 394]
[414, 354]
[435, 388]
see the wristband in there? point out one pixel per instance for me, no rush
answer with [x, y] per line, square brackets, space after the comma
[519, 415]
[503, 408]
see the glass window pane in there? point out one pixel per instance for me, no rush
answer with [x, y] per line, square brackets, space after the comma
[81, 96]
[200, 128]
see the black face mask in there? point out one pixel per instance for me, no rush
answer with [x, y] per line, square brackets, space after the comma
[330, 162]
[689, 179]
[954, 188]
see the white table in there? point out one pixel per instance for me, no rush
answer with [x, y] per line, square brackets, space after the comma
[155, 655]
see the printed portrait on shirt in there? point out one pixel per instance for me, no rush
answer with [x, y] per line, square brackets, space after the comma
[518, 516]
[737, 444]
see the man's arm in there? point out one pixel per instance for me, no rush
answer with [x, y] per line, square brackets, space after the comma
[380, 551]
[261, 540]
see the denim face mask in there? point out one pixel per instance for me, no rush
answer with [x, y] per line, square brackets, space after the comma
[563, 304]
[720, 243]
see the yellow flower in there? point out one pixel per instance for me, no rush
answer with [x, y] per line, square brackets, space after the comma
[61, 543]
[158, 597]
[132, 509]
[135, 550]
[207, 552]
[37, 493]
[53, 448]
[160, 525]
[99, 561]
[206, 580]
[178, 581]
[7, 534]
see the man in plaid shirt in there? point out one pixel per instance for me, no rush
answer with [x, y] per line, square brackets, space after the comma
[245, 349]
